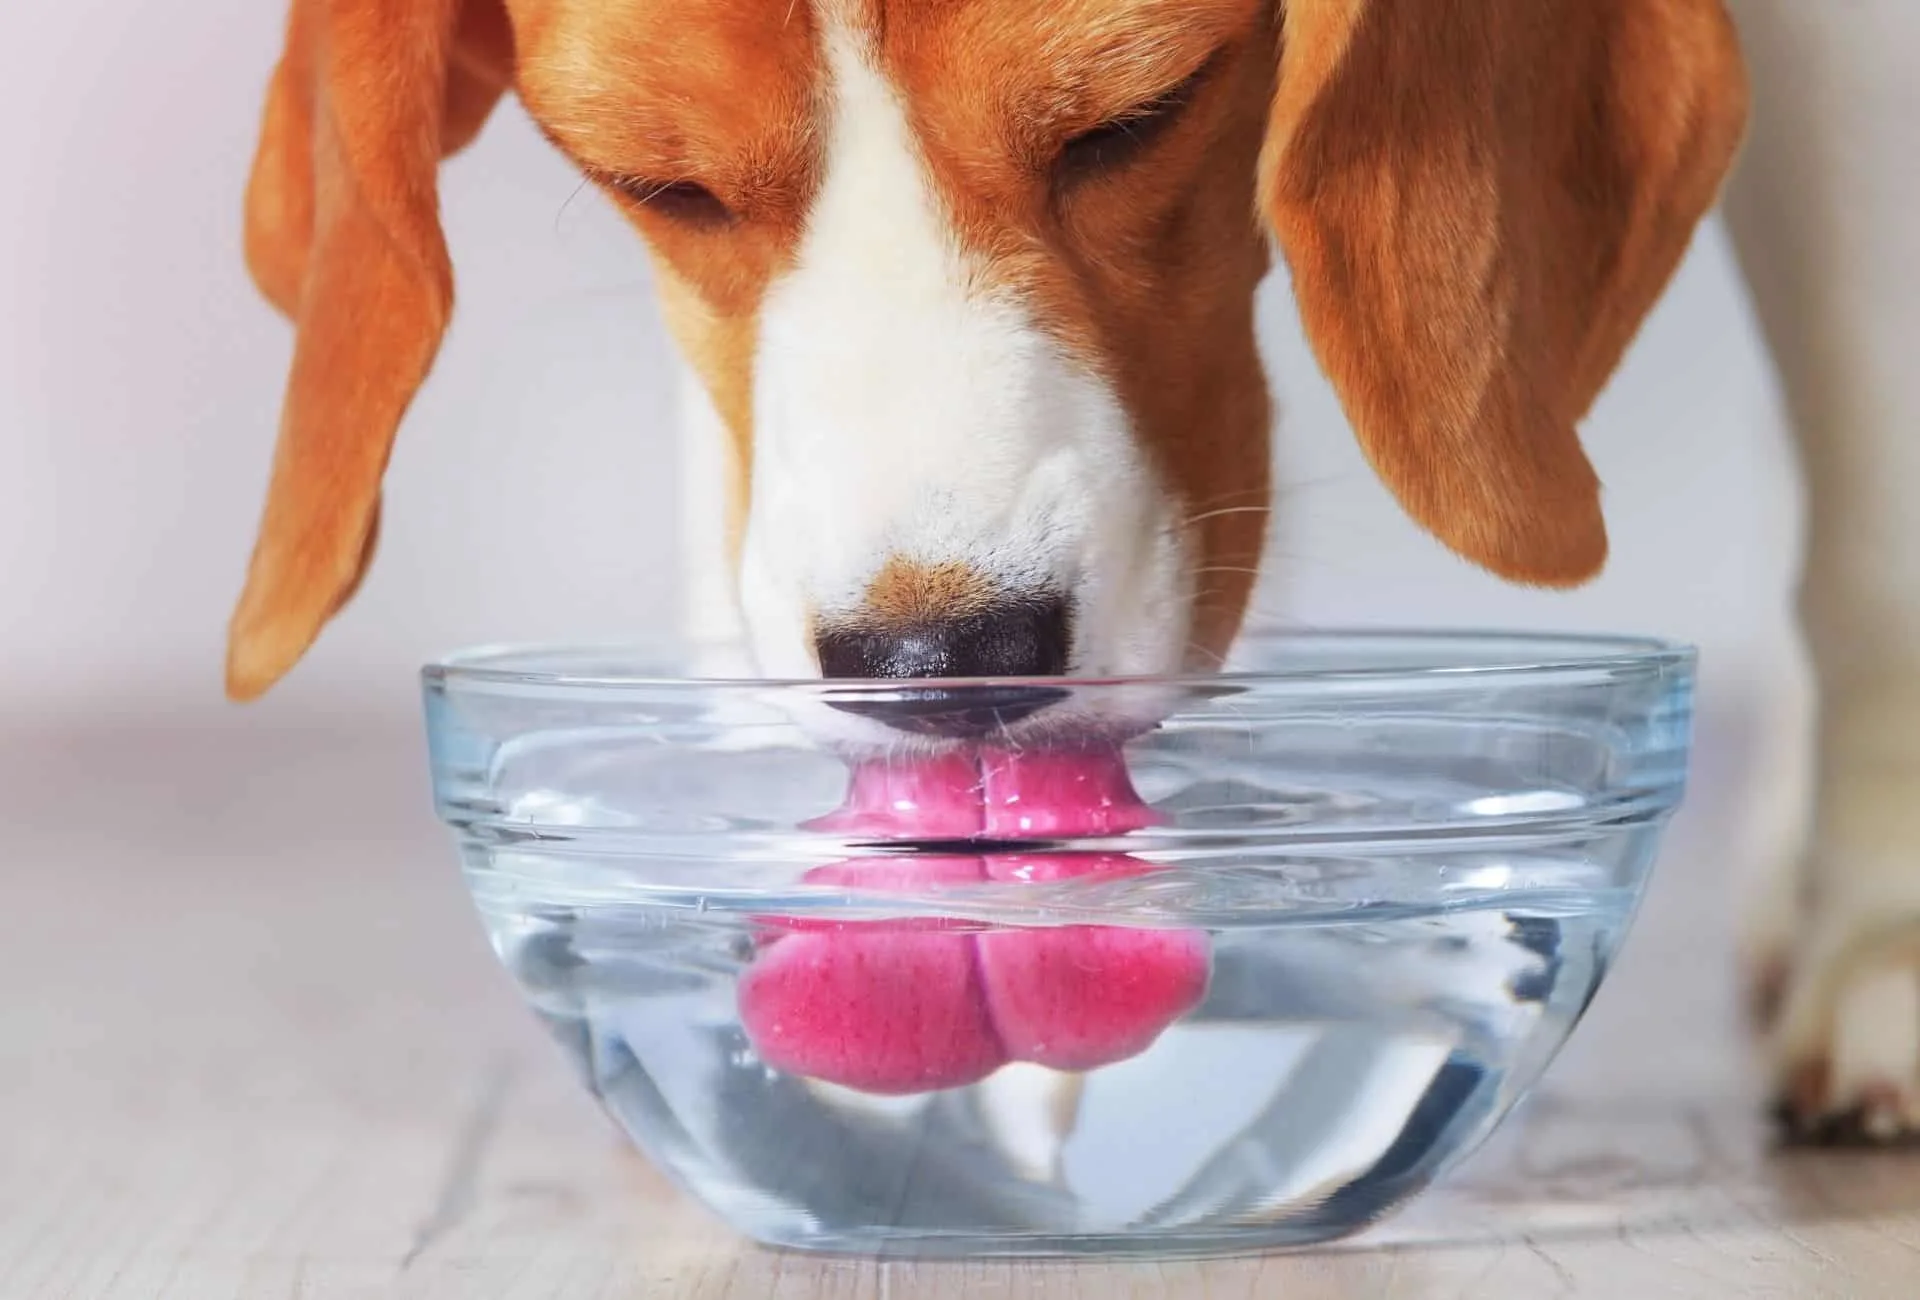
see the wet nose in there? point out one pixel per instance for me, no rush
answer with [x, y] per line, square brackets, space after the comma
[1010, 638]
[1013, 637]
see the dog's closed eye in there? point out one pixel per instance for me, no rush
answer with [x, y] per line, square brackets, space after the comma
[1128, 135]
[686, 202]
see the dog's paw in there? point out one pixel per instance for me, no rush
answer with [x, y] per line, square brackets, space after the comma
[1847, 1043]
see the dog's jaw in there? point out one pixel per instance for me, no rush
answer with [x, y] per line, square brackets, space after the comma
[906, 408]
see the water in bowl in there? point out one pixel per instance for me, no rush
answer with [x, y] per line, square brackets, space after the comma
[1344, 1052]
[1366, 912]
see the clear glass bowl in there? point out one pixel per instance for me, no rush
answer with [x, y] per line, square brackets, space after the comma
[899, 987]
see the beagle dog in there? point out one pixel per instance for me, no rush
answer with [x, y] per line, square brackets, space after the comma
[965, 289]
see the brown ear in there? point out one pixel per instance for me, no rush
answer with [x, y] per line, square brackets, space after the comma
[343, 235]
[1480, 201]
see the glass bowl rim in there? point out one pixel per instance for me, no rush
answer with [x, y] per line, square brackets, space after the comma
[1556, 655]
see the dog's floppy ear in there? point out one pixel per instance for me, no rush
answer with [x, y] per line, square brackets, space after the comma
[343, 235]
[1480, 201]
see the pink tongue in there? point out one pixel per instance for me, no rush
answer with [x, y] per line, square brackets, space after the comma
[1000, 796]
[875, 1007]
[902, 1007]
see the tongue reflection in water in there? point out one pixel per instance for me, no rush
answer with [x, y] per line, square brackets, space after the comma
[918, 1005]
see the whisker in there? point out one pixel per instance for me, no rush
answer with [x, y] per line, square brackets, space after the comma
[561, 215]
[1250, 572]
[1253, 494]
[1195, 648]
[1191, 520]
[1269, 493]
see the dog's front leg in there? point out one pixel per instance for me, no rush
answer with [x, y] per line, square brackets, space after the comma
[1824, 210]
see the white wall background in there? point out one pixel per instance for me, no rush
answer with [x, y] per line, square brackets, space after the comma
[531, 495]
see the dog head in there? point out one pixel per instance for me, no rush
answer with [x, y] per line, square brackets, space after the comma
[970, 283]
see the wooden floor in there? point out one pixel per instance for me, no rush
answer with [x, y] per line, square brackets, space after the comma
[252, 1044]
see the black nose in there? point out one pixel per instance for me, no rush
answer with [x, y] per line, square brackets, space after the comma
[1014, 637]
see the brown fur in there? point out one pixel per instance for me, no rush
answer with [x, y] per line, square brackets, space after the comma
[904, 592]
[1147, 274]
[343, 235]
[1479, 199]
[654, 92]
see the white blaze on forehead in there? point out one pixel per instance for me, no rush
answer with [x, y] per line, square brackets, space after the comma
[905, 407]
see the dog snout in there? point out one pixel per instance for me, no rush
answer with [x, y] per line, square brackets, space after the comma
[1021, 636]
[1024, 636]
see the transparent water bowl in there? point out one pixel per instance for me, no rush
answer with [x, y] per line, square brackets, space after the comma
[1184, 966]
